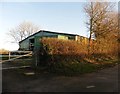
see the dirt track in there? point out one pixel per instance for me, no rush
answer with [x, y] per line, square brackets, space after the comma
[14, 80]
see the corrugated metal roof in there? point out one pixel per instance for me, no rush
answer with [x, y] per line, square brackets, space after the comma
[48, 32]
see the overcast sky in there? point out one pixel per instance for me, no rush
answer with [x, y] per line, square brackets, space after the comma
[68, 17]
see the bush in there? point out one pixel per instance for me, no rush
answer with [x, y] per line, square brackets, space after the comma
[59, 46]
[69, 57]
[62, 50]
[64, 56]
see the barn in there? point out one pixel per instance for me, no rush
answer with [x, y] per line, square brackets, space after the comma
[33, 41]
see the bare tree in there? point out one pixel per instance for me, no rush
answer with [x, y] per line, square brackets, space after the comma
[22, 31]
[98, 19]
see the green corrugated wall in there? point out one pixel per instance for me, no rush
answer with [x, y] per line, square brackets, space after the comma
[37, 41]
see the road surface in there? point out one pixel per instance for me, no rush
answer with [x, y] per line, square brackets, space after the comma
[15, 80]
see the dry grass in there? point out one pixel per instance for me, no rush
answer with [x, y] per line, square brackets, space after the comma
[3, 51]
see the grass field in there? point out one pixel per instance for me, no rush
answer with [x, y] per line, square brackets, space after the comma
[17, 63]
[6, 57]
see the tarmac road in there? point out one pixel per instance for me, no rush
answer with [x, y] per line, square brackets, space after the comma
[105, 80]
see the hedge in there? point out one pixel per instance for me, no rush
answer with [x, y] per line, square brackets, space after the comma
[68, 57]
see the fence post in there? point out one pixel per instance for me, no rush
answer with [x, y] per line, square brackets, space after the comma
[9, 55]
[36, 56]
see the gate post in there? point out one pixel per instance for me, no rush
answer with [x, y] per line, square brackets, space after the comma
[9, 55]
[36, 56]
